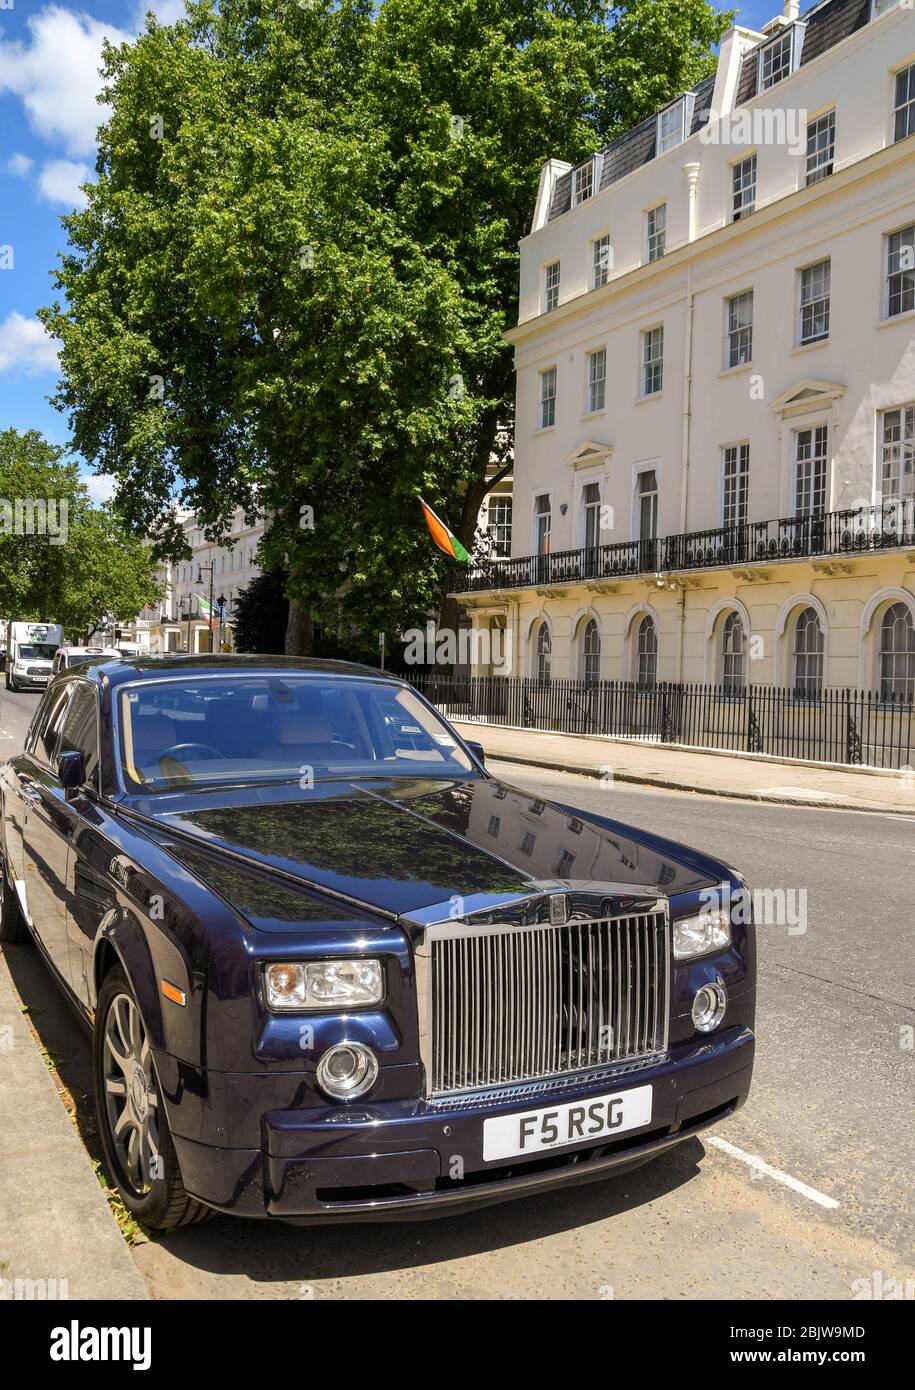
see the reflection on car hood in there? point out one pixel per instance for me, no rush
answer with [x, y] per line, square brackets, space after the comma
[400, 845]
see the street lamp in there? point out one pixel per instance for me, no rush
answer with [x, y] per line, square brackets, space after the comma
[212, 569]
[221, 601]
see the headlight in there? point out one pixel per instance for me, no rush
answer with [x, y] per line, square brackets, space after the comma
[696, 936]
[292, 986]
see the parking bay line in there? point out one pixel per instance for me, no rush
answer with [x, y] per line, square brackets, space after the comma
[760, 1166]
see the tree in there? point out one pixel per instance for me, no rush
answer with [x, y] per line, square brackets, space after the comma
[261, 610]
[61, 559]
[293, 275]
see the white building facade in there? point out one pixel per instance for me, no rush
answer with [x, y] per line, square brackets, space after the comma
[714, 463]
[180, 622]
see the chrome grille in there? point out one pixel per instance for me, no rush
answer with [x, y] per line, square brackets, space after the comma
[515, 1004]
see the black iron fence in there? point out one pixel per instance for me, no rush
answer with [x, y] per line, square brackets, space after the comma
[839, 726]
[851, 532]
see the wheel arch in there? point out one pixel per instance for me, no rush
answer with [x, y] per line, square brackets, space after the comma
[122, 941]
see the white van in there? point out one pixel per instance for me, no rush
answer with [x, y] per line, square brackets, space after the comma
[30, 648]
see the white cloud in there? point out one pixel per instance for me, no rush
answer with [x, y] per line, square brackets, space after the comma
[166, 11]
[25, 347]
[59, 182]
[100, 487]
[56, 73]
[18, 164]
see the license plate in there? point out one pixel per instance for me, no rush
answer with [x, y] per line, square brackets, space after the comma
[603, 1117]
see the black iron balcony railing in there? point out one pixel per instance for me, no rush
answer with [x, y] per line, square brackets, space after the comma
[755, 542]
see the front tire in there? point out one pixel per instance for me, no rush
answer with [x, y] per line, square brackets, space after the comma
[12, 924]
[139, 1152]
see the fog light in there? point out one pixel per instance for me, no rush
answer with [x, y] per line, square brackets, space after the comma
[347, 1070]
[708, 1007]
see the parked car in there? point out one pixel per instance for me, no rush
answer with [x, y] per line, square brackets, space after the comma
[336, 970]
[65, 657]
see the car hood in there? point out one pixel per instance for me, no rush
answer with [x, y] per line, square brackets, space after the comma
[400, 846]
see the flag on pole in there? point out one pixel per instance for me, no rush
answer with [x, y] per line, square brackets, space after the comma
[445, 540]
[204, 606]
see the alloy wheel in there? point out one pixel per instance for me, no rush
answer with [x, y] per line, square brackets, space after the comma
[131, 1094]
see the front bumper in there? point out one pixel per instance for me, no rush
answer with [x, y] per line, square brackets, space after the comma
[416, 1158]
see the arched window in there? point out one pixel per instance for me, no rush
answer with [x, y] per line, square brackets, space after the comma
[543, 650]
[733, 654]
[646, 653]
[808, 655]
[590, 653]
[897, 653]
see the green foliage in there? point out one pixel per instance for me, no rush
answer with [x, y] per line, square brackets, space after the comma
[98, 567]
[260, 615]
[319, 274]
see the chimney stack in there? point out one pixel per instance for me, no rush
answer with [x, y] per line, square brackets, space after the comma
[792, 9]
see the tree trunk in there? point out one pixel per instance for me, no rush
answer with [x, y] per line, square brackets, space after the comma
[300, 631]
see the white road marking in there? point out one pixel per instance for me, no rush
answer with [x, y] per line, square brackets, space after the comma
[776, 1174]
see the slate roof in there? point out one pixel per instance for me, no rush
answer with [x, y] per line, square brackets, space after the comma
[826, 25]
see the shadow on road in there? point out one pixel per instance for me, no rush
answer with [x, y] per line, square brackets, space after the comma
[63, 1036]
[286, 1254]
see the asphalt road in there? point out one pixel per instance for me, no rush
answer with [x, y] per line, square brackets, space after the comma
[829, 1120]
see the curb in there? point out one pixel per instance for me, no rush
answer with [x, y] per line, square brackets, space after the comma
[669, 784]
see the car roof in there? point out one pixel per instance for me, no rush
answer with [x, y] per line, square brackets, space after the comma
[169, 665]
[86, 651]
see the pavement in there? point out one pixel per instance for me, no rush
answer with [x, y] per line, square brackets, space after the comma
[709, 773]
[58, 1237]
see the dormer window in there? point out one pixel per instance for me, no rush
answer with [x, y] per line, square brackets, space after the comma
[583, 181]
[779, 57]
[674, 122]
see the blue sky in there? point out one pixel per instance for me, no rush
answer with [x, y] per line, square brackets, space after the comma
[48, 80]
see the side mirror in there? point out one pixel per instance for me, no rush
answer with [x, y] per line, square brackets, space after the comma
[477, 749]
[71, 769]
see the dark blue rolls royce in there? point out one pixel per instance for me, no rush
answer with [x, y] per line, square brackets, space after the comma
[335, 970]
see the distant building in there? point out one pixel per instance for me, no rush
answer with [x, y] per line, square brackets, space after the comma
[180, 623]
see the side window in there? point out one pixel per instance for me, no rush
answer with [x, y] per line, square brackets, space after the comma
[39, 719]
[80, 731]
[44, 744]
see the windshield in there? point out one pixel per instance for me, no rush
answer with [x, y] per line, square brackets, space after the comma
[36, 651]
[189, 732]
